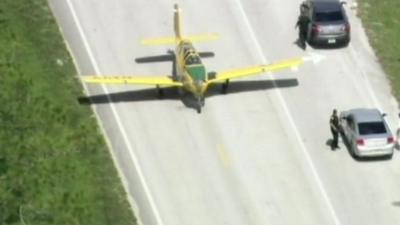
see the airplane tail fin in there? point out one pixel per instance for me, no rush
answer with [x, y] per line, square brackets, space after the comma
[177, 22]
[178, 33]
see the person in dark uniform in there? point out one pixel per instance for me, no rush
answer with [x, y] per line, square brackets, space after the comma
[302, 23]
[334, 124]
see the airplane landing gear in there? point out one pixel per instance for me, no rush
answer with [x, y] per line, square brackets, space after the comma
[224, 87]
[200, 103]
[160, 92]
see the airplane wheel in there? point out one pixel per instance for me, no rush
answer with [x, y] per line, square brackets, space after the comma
[180, 91]
[224, 88]
[200, 104]
[160, 92]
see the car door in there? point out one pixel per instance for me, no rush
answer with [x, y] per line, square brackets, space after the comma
[351, 132]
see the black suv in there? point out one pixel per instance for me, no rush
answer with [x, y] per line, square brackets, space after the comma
[328, 22]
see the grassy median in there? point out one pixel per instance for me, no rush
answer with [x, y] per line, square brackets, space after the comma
[382, 22]
[54, 165]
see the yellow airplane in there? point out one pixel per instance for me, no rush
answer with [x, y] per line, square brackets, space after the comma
[191, 74]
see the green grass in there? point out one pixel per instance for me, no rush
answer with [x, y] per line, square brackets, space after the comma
[54, 165]
[382, 22]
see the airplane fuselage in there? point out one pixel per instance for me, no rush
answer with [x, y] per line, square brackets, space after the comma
[190, 70]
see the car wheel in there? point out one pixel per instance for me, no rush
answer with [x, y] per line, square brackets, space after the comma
[353, 152]
[310, 40]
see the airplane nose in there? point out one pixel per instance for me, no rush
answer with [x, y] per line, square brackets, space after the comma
[199, 83]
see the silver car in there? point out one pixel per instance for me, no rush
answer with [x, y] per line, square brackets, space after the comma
[366, 133]
[329, 24]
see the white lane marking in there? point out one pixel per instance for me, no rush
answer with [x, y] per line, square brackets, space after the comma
[290, 119]
[117, 118]
[366, 80]
[314, 57]
[132, 201]
[370, 90]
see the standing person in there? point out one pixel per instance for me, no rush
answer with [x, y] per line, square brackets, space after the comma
[334, 124]
[302, 23]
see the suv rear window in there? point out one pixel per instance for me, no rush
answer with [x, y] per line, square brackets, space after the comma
[371, 128]
[328, 16]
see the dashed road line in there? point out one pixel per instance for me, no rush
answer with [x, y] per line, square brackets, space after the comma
[224, 155]
[290, 119]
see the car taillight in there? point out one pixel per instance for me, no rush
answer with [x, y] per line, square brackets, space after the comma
[390, 140]
[347, 28]
[360, 142]
[316, 28]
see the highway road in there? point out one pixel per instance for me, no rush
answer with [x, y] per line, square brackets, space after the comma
[255, 156]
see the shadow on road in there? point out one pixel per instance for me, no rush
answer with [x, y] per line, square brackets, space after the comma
[172, 93]
[396, 203]
[299, 44]
[170, 56]
[329, 144]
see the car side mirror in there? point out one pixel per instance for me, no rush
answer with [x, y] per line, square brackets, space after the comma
[343, 3]
[383, 114]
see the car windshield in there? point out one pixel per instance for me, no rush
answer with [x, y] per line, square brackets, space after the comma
[328, 16]
[371, 128]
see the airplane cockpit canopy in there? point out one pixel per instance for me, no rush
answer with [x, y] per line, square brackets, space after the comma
[192, 59]
[189, 54]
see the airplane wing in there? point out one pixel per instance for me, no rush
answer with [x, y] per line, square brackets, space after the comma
[140, 80]
[254, 70]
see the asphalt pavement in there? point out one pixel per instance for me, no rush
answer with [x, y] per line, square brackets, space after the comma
[257, 155]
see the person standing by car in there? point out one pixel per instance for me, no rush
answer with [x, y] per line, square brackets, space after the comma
[334, 124]
[302, 23]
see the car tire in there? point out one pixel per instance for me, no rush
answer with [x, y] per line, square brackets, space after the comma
[353, 152]
[310, 40]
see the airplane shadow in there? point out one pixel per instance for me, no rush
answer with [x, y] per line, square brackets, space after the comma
[173, 93]
[396, 203]
[156, 58]
[169, 57]
[252, 85]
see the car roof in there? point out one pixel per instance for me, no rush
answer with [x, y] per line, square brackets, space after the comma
[366, 115]
[326, 6]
